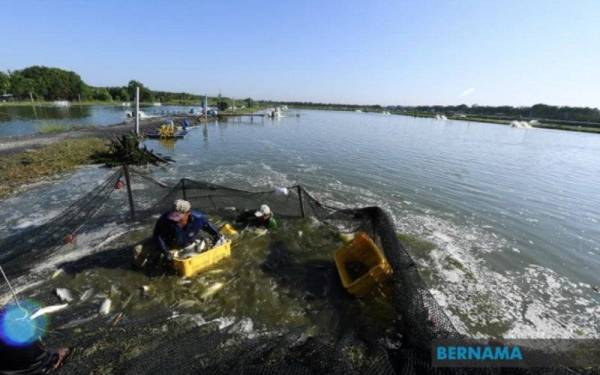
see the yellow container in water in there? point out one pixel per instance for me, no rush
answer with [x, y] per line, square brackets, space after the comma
[228, 230]
[362, 254]
[199, 262]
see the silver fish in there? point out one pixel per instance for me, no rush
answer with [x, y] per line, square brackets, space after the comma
[86, 295]
[105, 307]
[211, 290]
[57, 273]
[77, 322]
[64, 294]
[48, 310]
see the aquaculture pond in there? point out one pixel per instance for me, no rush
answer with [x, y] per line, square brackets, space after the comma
[502, 222]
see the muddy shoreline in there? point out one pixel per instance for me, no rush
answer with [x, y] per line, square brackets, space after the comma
[12, 145]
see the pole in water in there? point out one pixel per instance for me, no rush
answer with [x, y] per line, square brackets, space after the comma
[129, 193]
[205, 107]
[301, 201]
[137, 111]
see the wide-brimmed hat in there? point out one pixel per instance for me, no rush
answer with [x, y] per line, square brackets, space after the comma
[263, 211]
[182, 206]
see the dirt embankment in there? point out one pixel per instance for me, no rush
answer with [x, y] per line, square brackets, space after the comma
[28, 159]
[11, 145]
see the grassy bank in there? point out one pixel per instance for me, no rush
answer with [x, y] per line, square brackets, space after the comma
[31, 166]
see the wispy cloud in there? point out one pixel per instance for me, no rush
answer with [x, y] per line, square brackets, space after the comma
[467, 92]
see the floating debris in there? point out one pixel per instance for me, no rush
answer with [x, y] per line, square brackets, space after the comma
[64, 294]
[48, 310]
[105, 307]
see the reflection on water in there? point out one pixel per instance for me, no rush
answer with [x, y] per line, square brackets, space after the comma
[29, 119]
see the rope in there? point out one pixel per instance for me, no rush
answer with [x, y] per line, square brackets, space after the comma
[14, 294]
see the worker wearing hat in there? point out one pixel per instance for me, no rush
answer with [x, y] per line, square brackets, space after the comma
[265, 217]
[180, 226]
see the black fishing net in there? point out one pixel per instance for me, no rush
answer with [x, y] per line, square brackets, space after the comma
[349, 339]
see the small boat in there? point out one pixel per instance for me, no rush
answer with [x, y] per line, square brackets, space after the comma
[61, 103]
[159, 136]
[275, 113]
[142, 115]
[157, 104]
[167, 131]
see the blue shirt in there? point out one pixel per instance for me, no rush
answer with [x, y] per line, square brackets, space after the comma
[168, 235]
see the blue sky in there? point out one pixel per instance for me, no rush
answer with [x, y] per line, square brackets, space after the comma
[387, 52]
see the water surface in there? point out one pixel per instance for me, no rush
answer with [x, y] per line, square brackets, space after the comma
[513, 213]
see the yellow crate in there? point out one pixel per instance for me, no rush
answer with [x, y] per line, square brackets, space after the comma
[197, 263]
[363, 250]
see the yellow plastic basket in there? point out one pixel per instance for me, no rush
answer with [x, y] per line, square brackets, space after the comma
[362, 250]
[197, 263]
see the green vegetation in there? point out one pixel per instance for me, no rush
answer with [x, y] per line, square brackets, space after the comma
[222, 104]
[568, 117]
[126, 150]
[32, 165]
[49, 84]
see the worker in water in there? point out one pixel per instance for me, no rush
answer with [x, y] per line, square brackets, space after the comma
[180, 227]
[263, 217]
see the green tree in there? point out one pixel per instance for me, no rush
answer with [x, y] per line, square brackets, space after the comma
[223, 105]
[53, 83]
[20, 86]
[146, 94]
[249, 102]
[102, 94]
[4, 83]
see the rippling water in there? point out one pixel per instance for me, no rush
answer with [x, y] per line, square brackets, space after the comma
[513, 213]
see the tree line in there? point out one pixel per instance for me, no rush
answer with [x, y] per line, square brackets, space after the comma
[45, 83]
[539, 111]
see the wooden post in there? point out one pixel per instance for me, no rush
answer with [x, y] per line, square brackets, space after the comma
[137, 111]
[129, 192]
[301, 201]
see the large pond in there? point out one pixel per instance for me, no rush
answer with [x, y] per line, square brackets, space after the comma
[512, 215]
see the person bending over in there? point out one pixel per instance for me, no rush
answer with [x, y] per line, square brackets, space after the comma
[261, 218]
[181, 226]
